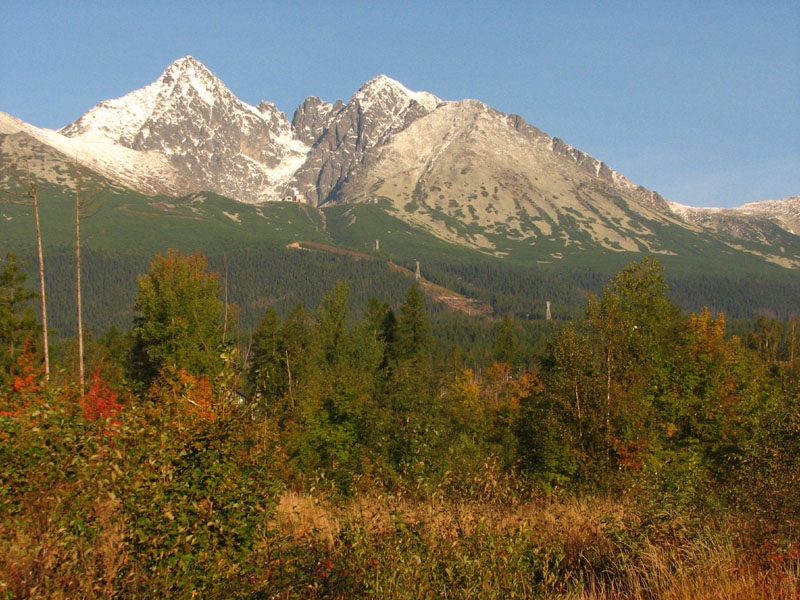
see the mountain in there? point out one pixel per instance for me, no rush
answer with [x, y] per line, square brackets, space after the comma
[212, 140]
[753, 227]
[460, 170]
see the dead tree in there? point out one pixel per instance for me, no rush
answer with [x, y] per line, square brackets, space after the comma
[30, 196]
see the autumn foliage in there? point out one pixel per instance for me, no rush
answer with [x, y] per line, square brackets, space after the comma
[639, 453]
[100, 403]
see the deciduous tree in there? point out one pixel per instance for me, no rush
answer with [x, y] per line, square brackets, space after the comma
[180, 318]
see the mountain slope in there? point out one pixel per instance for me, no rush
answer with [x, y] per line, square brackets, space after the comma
[474, 175]
[48, 154]
[769, 228]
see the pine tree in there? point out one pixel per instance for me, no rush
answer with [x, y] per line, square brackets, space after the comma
[505, 342]
[18, 326]
[414, 338]
[334, 339]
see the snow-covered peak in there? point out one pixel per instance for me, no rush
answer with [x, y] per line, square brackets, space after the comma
[185, 81]
[382, 90]
[211, 139]
[188, 73]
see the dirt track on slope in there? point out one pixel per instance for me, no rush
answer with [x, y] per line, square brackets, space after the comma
[451, 299]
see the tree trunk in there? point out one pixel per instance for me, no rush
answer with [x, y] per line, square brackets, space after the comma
[33, 193]
[289, 376]
[81, 376]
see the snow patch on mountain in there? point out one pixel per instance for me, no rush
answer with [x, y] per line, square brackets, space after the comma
[149, 172]
[121, 119]
[374, 94]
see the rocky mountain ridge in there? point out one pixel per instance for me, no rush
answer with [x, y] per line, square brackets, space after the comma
[460, 169]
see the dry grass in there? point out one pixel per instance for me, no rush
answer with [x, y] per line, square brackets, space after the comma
[305, 518]
[703, 569]
[593, 547]
[398, 547]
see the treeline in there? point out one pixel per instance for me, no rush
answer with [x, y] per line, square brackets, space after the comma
[523, 290]
[171, 472]
[268, 275]
[255, 278]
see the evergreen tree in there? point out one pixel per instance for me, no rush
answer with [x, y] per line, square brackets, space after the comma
[18, 325]
[505, 342]
[334, 342]
[338, 428]
[413, 341]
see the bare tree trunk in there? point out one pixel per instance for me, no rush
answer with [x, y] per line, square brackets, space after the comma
[580, 414]
[608, 404]
[289, 375]
[34, 195]
[81, 375]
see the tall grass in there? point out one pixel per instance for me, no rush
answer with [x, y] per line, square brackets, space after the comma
[590, 549]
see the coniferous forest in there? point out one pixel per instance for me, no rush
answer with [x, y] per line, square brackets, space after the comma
[389, 451]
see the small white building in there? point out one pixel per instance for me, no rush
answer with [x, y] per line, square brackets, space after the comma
[296, 196]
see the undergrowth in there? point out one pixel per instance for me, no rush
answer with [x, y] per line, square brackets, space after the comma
[159, 504]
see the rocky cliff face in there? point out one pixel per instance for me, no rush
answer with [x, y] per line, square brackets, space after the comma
[346, 136]
[312, 118]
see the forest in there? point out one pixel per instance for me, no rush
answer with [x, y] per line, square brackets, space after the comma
[634, 450]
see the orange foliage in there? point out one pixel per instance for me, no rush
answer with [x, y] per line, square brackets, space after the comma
[193, 395]
[629, 454]
[26, 381]
[504, 391]
[709, 334]
[100, 402]
[25, 385]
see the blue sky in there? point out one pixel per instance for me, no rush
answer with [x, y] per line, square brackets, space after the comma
[699, 101]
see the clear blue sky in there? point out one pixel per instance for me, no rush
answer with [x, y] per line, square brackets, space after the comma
[699, 101]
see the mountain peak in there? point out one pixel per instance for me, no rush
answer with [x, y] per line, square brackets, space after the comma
[189, 73]
[382, 88]
[121, 119]
[187, 61]
[382, 81]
